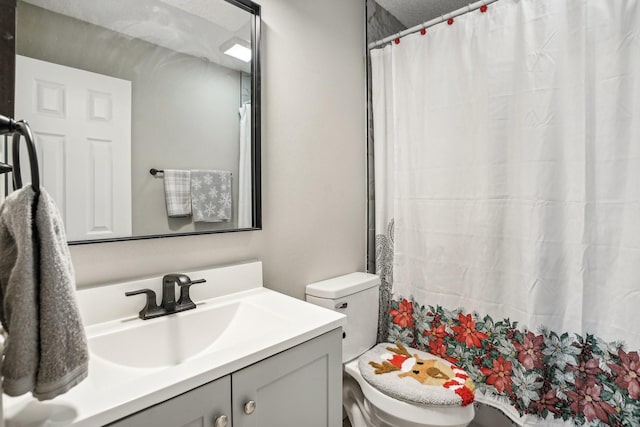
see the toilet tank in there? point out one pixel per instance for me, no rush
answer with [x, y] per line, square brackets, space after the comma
[356, 296]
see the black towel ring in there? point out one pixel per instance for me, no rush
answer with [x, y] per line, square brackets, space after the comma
[8, 126]
[22, 128]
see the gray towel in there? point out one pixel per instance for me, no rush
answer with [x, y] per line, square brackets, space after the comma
[46, 349]
[177, 192]
[211, 195]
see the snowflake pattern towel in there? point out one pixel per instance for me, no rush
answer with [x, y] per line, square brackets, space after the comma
[211, 195]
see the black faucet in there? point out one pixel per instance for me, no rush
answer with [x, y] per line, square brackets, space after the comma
[169, 304]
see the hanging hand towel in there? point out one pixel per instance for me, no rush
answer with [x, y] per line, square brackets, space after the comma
[19, 306]
[177, 192]
[211, 195]
[46, 349]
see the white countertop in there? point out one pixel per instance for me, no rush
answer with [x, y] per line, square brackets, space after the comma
[113, 391]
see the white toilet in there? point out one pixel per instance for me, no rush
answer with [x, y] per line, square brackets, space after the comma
[356, 296]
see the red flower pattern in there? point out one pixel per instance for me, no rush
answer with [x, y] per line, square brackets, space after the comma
[628, 372]
[547, 401]
[500, 375]
[530, 351]
[466, 332]
[586, 399]
[403, 316]
[588, 369]
[438, 348]
[436, 333]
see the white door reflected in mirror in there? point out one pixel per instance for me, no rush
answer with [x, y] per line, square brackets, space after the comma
[83, 139]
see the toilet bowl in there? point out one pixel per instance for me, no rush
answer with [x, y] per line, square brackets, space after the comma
[367, 400]
[394, 412]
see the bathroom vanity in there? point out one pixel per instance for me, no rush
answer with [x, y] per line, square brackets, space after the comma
[245, 356]
[288, 389]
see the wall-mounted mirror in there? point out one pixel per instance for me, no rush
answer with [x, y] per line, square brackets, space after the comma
[115, 89]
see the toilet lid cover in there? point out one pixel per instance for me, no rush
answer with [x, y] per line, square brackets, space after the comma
[415, 376]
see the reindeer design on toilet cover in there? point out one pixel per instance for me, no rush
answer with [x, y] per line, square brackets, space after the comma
[420, 377]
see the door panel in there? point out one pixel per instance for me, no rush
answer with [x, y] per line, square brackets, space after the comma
[299, 387]
[82, 125]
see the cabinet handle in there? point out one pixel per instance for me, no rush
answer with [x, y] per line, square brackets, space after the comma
[249, 407]
[221, 421]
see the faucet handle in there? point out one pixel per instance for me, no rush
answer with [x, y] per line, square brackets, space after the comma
[177, 278]
[150, 308]
[185, 303]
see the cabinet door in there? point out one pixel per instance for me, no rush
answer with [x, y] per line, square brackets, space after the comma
[196, 408]
[299, 387]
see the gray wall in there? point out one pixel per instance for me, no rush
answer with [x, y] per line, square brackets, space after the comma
[314, 207]
[184, 109]
[381, 23]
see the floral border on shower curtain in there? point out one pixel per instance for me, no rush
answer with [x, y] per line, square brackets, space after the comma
[384, 269]
[546, 374]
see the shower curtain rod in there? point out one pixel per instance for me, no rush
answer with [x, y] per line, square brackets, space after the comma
[469, 8]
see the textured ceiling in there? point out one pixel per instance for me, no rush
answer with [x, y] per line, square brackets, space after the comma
[194, 27]
[415, 12]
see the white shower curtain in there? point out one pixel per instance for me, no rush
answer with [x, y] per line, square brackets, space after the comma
[244, 169]
[507, 152]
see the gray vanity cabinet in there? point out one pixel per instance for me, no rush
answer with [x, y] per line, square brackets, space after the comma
[199, 407]
[301, 386]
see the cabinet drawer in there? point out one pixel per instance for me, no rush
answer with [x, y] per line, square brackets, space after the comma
[195, 408]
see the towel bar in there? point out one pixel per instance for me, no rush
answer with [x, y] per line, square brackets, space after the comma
[154, 171]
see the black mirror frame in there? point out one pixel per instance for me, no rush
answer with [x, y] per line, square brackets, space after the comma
[7, 99]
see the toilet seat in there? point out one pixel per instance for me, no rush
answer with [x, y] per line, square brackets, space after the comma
[415, 376]
[444, 415]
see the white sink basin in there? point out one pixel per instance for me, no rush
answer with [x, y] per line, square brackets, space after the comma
[135, 364]
[171, 340]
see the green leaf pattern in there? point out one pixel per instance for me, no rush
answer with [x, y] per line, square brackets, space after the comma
[548, 374]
